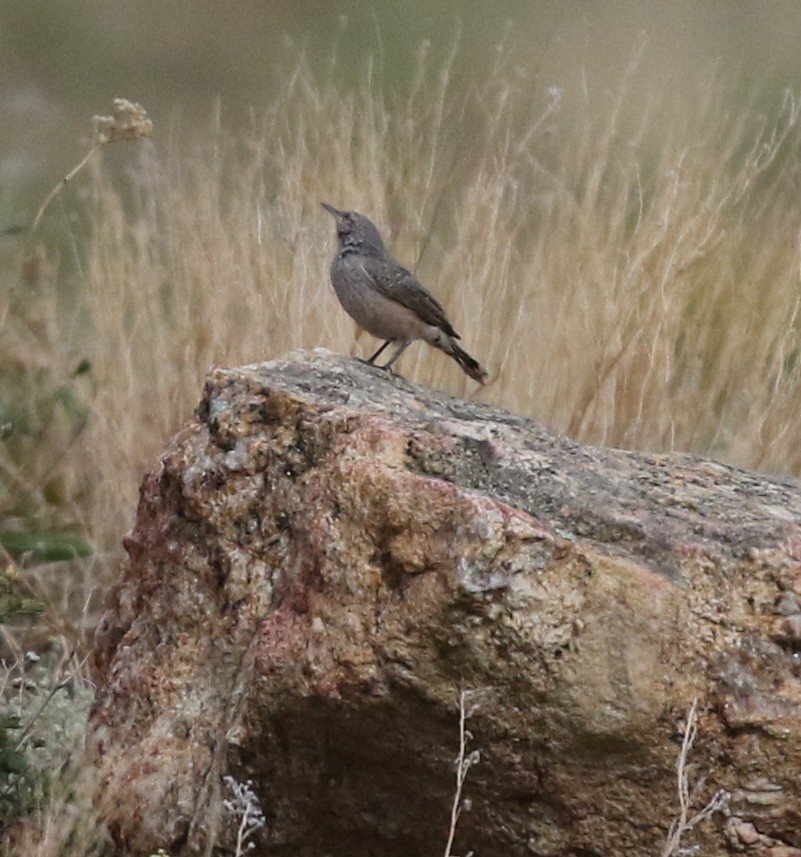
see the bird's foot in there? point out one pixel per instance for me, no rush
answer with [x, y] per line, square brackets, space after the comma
[388, 369]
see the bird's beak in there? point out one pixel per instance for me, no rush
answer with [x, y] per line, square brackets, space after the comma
[331, 210]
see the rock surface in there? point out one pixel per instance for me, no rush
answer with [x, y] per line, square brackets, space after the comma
[327, 554]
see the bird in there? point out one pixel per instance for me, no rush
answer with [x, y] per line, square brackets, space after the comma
[387, 300]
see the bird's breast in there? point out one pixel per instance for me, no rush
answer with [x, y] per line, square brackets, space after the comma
[368, 307]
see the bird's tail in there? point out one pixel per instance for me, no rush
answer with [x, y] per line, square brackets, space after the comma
[469, 364]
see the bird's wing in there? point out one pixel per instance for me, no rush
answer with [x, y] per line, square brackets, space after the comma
[398, 284]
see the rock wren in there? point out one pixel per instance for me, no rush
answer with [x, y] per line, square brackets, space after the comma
[384, 298]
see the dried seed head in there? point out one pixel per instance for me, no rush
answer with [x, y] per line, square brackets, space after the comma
[128, 122]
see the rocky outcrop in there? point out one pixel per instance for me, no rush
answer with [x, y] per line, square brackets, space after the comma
[327, 555]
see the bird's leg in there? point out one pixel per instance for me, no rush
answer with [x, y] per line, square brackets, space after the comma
[401, 348]
[376, 355]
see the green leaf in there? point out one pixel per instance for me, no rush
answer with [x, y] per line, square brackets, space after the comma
[12, 762]
[13, 605]
[10, 721]
[45, 547]
[83, 368]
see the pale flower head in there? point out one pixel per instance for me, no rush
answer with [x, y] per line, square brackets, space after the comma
[128, 122]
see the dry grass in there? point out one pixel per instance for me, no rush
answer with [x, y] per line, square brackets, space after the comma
[628, 271]
[629, 274]
[684, 823]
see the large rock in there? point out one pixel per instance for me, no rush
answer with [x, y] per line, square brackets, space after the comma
[326, 555]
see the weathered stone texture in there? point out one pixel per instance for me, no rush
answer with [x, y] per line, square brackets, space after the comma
[327, 554]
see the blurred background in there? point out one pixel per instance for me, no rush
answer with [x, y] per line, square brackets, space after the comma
[61, 63]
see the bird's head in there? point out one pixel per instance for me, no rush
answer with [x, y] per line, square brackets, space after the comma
[356, 231]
